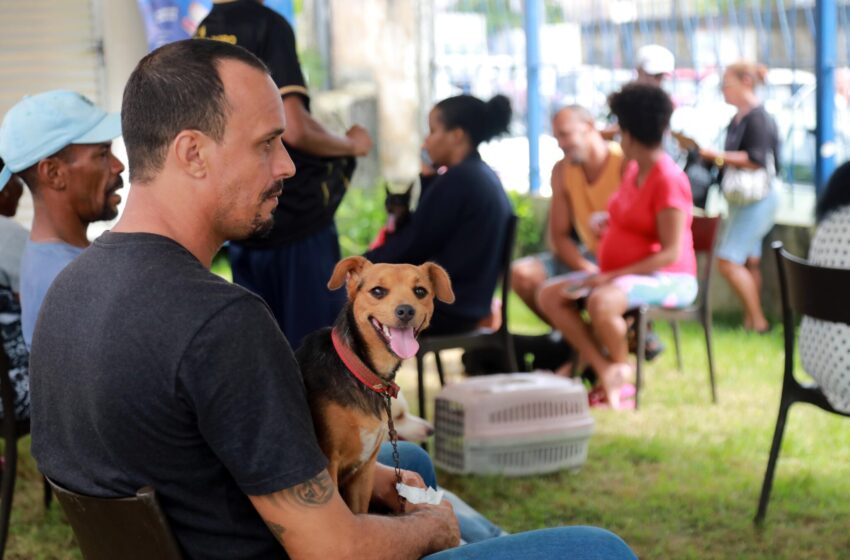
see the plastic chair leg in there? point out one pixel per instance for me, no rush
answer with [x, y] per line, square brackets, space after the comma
[420, 372]
[767, 485]
[641, 350]
[510, 353]
[674, 324]
[710, 353]
[48, 494]
[440, 371]
[7, 489]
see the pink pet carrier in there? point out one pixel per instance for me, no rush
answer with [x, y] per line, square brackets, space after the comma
[512, 424]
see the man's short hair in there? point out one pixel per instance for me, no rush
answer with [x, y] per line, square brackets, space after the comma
[176, 87]
[580, 112]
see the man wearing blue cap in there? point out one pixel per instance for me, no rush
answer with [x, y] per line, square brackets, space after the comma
[59, 143]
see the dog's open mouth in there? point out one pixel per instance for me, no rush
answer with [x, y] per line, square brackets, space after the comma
[402, 342]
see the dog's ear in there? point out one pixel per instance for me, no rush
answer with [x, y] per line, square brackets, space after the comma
[349, 265]
[440, 280]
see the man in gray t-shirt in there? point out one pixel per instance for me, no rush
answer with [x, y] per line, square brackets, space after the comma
[59, 143]
[149, 369]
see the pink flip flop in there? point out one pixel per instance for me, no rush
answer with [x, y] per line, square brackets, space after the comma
[597, 399]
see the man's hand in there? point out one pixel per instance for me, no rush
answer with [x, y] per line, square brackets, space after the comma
[685, 142]
[361, 142]
[384, 492]
[448, 536]
[597, 280]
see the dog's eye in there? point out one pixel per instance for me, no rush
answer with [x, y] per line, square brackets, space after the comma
[420, 292]
[378, 292]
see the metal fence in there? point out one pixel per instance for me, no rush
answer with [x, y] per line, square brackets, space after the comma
[588, 49]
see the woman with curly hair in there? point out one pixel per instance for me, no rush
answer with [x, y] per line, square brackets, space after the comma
[646, 253]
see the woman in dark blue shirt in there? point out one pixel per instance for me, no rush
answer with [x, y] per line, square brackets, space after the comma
[460, 222]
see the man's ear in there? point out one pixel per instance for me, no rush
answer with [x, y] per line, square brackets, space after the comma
[191, 150]
[51, 173]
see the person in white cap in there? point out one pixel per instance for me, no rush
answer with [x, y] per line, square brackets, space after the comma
[654, 63]
[60, 144]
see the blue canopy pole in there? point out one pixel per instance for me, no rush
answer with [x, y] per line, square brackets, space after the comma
[533, 22]
[825, 53]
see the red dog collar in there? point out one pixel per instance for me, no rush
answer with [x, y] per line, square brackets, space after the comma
[360, 370]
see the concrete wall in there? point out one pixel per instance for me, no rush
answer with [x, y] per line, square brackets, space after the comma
[124, 44]
[385, 42]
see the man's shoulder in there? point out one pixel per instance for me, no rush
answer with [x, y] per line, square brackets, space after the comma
[615, 150]
[9, 227]
[44, 257]
[146, 283]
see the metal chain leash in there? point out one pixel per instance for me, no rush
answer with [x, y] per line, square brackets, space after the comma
[394, 442]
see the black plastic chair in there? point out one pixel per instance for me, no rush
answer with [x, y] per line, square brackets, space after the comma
[817, 292]
[704, 231]
[132, 528]
[12, 430]
[499, 339]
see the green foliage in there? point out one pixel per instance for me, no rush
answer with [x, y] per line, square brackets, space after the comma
[359, 218]
[314, 68]
[710, 7]
[362, 214]
[531, 212]
[500, 16]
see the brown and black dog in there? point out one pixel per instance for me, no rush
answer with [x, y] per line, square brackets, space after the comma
[349, 369]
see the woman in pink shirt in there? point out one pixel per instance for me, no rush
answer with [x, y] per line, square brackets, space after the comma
[646, 253]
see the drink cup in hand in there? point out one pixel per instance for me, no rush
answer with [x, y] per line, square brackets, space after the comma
[598, 223]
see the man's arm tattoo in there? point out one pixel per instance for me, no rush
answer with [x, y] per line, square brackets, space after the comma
[314, 493]
[277, 530]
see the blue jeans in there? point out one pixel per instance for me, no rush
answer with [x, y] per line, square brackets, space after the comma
[292, 279]
[576, 543]
[573, 543]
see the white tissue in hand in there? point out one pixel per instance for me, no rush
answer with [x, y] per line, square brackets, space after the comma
[416, 495]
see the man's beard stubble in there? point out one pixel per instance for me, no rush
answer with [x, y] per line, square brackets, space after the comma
[260, 227]
[109, 212]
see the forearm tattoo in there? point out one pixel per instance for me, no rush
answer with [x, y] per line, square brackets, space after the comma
[277, 530]
[314, 493]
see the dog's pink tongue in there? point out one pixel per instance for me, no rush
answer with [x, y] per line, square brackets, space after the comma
[403, 342]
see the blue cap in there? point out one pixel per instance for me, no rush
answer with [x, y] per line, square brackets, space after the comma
[40, 125]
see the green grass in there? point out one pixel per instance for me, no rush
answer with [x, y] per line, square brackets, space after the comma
[678, 479]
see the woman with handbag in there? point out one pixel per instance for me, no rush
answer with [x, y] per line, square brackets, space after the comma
[748, 165]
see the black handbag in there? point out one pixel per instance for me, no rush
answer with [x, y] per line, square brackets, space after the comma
[702, 175]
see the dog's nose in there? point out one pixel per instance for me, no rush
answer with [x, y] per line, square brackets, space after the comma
[405, 313]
